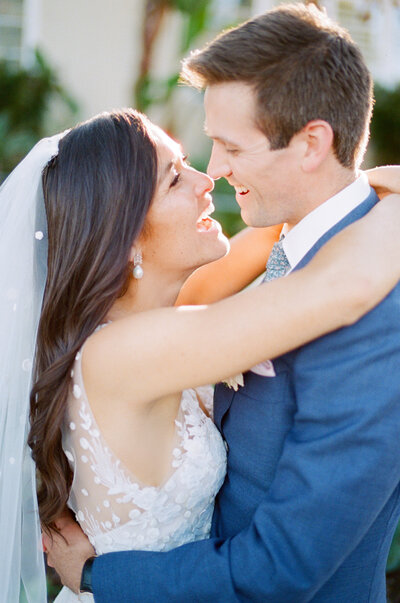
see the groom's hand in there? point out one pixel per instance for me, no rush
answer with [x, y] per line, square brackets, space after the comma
[68, 551]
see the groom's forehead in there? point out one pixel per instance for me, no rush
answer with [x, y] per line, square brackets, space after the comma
[230, 98]
[230, 111]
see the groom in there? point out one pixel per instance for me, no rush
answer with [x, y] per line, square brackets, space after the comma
[312, 495]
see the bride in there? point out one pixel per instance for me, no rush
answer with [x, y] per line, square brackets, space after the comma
[121, 428]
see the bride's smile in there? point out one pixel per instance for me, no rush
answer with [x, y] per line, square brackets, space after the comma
[180, 234]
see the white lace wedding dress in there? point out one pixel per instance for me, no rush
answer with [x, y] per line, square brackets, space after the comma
[114, 509]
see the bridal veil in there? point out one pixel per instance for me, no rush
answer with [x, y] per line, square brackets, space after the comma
[23, 267]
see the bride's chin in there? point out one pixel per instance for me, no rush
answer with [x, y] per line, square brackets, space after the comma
[221, 250]
[225, 246]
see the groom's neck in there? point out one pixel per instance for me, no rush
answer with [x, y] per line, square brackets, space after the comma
[319, 186]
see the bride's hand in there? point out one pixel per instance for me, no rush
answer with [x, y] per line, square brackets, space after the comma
[385, 180]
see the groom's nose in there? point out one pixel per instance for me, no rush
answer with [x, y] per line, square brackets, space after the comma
[218, 166]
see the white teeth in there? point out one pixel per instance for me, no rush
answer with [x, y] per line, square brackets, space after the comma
[209, 210]
[241, 189]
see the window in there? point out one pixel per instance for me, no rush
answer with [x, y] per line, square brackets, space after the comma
[11, 30]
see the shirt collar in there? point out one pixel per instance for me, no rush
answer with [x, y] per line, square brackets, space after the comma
[299, 240]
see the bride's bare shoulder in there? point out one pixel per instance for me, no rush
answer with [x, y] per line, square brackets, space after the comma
[101, 360]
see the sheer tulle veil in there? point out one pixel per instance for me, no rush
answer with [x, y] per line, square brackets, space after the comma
[23, 266]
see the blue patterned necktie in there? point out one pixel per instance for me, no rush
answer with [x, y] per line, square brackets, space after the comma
[278, 264]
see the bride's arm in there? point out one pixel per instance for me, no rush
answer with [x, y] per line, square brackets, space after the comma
[151, 354]
[385, 179]
[245, 261]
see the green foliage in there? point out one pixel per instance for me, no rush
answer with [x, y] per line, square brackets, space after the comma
[25, 95]
[197, 13]
[149, 90]
[394, 554]
[53, 584]
[385, 142]
[385, 126]
[196, 16]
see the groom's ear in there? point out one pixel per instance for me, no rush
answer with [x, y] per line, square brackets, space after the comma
[317, 138]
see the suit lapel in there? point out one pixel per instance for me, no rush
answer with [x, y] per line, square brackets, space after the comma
[223, 397]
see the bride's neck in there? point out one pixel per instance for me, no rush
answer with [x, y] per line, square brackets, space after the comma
[151, 291]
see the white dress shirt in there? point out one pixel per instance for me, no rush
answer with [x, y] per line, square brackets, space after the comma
[299, 240]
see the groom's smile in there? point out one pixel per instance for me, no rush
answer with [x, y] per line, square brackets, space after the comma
[241, 190]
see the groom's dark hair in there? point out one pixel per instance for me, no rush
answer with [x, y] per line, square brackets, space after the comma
[302, 66]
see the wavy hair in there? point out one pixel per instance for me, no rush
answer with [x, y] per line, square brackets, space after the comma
[97, 193]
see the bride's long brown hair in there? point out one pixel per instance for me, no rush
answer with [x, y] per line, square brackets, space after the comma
[97, 192]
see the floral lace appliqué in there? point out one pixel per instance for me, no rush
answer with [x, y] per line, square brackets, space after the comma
[114, 509]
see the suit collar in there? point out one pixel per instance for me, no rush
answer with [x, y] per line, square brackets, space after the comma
[301, 238]
[361, 210]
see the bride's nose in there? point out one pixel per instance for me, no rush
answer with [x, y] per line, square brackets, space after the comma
[204, 184]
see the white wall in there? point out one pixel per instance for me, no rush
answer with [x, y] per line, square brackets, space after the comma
[95, 46]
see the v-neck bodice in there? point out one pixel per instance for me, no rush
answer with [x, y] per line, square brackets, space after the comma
[114, 509]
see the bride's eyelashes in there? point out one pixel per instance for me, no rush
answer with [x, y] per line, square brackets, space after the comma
[175, 180]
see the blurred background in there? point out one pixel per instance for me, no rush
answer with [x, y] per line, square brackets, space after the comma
[62, 62]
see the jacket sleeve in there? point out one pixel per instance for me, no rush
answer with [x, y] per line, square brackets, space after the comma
[339, 467]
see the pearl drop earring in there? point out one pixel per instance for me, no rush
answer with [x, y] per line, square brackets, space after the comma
[137, 263]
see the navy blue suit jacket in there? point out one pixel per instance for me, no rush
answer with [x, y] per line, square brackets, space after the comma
[311, 498]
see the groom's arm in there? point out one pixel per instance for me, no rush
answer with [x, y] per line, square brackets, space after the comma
[339, 466]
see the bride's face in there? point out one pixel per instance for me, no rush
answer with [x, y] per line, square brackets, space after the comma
[181, 235]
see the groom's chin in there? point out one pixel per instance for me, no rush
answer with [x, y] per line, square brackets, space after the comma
[247, 217]
[252, 219]
[259, 219]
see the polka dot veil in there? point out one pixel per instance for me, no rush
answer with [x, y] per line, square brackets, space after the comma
[23, 260]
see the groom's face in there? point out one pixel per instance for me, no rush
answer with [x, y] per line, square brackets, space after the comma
[266, 182]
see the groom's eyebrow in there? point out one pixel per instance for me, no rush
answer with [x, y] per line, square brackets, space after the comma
[219, 138]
